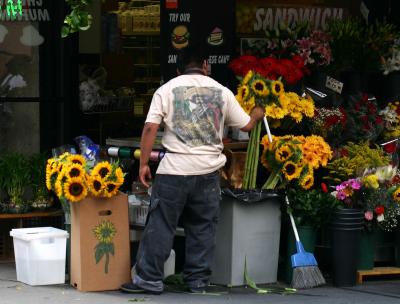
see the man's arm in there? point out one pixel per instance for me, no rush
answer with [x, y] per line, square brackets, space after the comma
[146, 145]
[256, 114]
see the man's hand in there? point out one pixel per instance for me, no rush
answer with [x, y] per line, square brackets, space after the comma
[145, 175]
[256, 114]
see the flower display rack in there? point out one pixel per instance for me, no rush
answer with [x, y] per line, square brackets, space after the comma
[377, 271]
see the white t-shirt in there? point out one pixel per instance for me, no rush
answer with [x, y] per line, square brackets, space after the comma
[194, 109]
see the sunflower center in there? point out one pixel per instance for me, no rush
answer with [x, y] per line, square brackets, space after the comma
[259, 86]
[277, 88]
[290, 169]
[96, 185]
[283, 154]
[110, 187]
[103, 172]
[75, 189]
[74, 172]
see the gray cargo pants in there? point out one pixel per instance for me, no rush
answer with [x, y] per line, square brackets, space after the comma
[198, 196]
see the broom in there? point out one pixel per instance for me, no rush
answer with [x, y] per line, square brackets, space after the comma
[306, 273]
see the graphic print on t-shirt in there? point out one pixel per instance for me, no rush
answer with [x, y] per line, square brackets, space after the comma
[197, 115]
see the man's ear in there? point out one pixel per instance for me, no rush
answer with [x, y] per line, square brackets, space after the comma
[205, 67]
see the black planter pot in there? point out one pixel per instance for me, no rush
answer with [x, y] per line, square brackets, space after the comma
[346, 227]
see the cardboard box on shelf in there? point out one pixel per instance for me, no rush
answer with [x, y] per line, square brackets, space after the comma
[100, 254]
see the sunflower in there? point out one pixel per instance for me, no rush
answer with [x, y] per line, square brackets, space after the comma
[110, 189]
[243, 92]
[77, 159]
[248, 76]
[103, 169]
[283, 153]
[307, 181]
[105, 232]
[277, 87]
[74, 170]
[51, 176]
[58, 188]
[275, 112]
[291, 170]
[260, 87]
[96, 185]
[120, 176]
[396, 195]
[64, 156]
[74, 189]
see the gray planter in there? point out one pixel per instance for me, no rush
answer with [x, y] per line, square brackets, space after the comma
[251, 232]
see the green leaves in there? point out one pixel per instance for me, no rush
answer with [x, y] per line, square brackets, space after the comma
[78, 19]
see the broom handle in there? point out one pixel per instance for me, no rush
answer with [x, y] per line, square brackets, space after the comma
[296, 234]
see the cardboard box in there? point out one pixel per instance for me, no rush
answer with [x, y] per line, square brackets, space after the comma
[100, 261]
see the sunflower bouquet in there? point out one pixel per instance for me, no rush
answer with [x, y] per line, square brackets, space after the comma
[293, 159]
[72, 178]
[255, 90]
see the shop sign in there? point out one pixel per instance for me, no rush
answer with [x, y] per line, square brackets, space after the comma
[23, 10]
[255, 16]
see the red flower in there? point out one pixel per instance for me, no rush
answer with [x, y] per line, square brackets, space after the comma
[298, 61]
[379, 120]
[379, 210]
[390, 148]
[324, 187]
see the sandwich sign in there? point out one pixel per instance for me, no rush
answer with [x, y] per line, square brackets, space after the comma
[184, 24]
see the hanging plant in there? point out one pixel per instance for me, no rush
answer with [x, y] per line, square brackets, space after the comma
[78, 19]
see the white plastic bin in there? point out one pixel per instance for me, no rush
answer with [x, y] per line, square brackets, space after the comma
[40, 255]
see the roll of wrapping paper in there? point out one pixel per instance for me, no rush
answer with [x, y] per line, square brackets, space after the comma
[154, 156]
[124, 152]
[136, 154]
[112, 151]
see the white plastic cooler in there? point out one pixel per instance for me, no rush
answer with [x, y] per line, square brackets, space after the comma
[40, 255]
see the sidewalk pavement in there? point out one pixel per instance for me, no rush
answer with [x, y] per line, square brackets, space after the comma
[14, 292]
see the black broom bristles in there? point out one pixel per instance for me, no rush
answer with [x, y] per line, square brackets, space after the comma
[307, 277]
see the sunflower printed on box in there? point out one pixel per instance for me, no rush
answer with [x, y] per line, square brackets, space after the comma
[100, 256]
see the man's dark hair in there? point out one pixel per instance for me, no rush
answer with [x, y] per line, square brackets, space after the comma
[191, 56]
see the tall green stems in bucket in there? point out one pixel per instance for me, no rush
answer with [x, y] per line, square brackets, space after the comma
[252, 158]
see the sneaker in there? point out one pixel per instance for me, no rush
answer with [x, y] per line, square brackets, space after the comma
[133, 288]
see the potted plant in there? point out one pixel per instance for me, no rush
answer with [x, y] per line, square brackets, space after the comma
[15, 180]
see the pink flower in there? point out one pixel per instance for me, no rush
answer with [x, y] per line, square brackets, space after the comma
[354, 183]
[340, 195]
[369, 215]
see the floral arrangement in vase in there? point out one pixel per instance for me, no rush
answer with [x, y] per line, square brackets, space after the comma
[289, 70]
[72, 178]
[391, 120]
[364, 120]
[391, 62]
[329, 123]
[315, 49]
[376, 194]
[353, 159]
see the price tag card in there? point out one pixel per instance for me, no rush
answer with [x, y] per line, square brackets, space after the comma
[334, 85]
